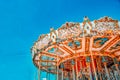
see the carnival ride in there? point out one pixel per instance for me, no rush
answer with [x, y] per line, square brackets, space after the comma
[80, 51]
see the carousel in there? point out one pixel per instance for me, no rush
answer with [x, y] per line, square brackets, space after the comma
[80, 51]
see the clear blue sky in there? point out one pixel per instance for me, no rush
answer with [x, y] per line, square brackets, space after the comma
[22, 21]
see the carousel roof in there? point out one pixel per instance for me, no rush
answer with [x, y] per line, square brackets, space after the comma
[72, 40]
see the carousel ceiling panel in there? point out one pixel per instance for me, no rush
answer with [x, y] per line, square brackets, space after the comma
[47, 64]
[102, 43]
[47, 58]
[99, 41]
[115, 47]
[62, 52]
[43, 63]
[75, 45]
[52, 50]
[58, 51]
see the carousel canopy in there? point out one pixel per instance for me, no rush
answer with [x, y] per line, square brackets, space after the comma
[75, 40]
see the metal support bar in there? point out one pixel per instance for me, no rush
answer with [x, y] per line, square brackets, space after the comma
[73, 72]
[96, 78]
[62, 74]
[116, 65]
[90, 71]
[105, 65]
[39, 71]
[76, 69]
[57, 67]
[99, 67]
[80, 69]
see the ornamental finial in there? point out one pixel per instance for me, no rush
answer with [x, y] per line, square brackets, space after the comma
[86, 19]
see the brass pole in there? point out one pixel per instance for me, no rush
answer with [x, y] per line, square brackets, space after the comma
[39, 70]
[94, 66]
[62, 74]
[90, 71]
[49, 75]
[76, 70]
[47, 71]
[80, 69]
[116, 65]
[57, 66]
[105, 65]
[73, 72]
[99, 67]
[88, 60]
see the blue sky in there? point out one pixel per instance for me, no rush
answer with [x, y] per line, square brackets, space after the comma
[22, 21]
